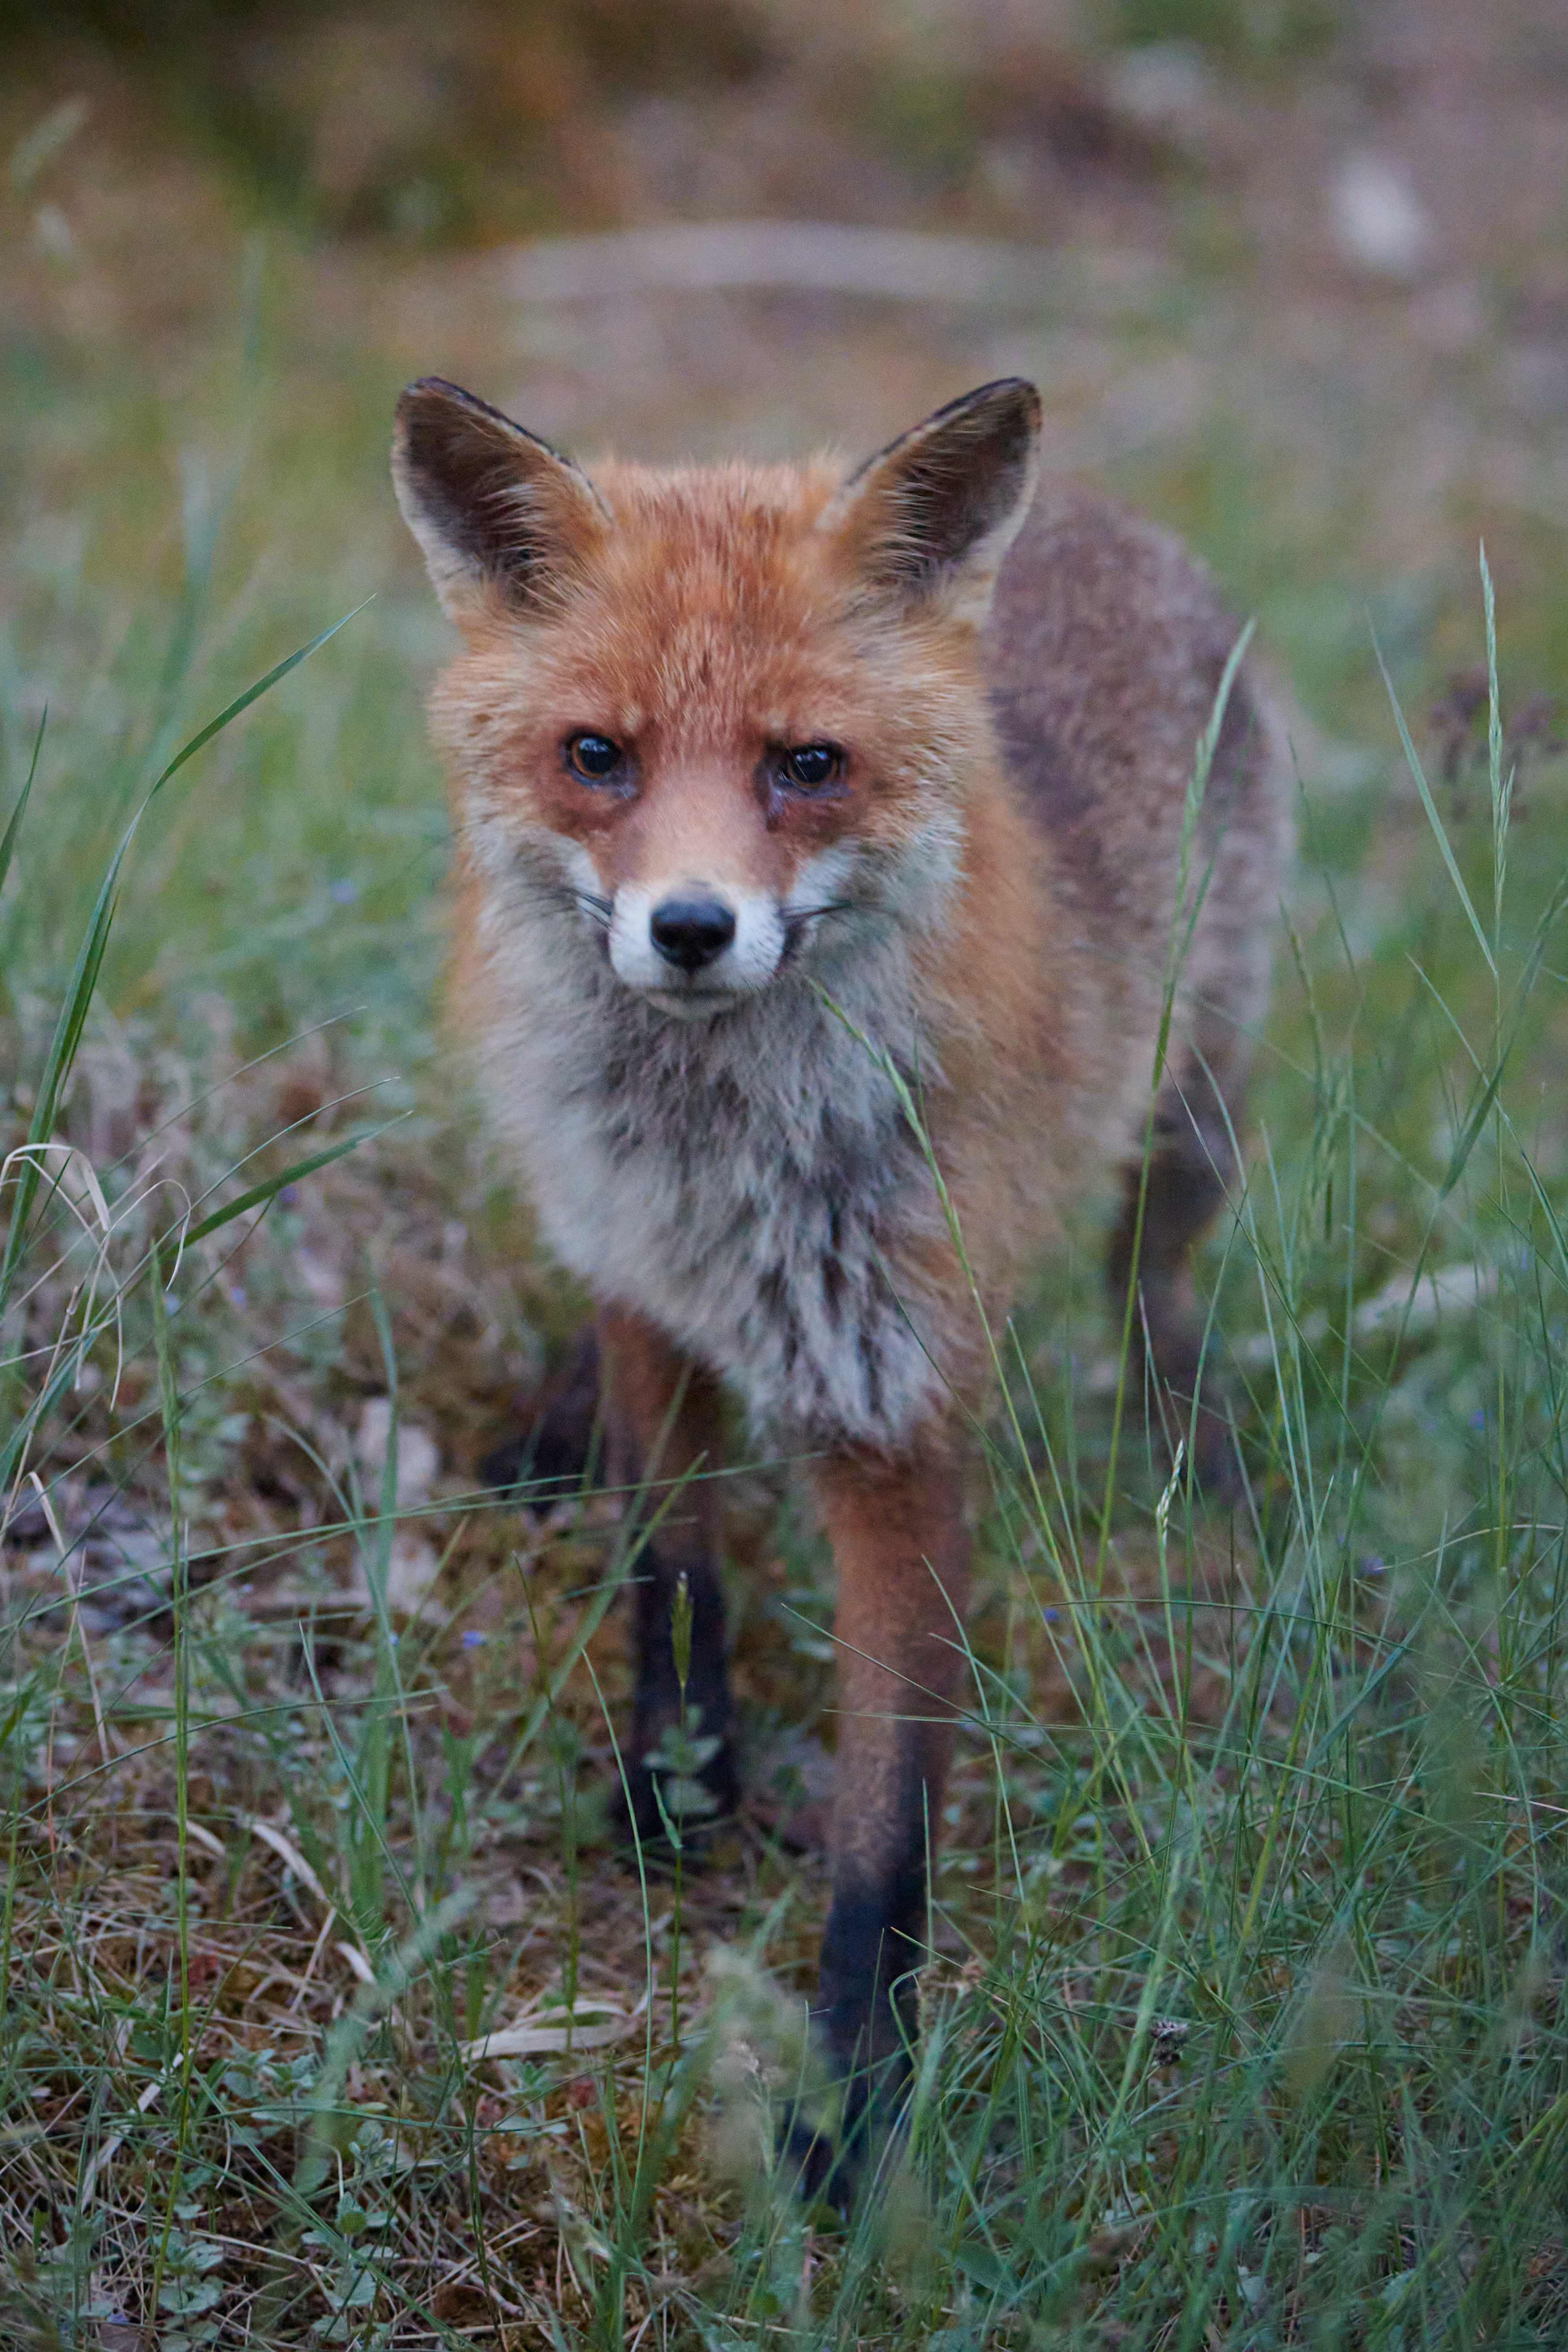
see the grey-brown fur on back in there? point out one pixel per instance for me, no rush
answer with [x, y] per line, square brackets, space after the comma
[1106, 646]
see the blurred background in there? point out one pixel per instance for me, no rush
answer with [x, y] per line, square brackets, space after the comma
[1295, 271]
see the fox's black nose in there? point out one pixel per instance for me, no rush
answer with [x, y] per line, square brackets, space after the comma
[691, 932]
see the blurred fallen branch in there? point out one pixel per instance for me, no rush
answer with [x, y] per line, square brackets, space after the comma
[1441, 1290]
[793, 257]
[531, 2037]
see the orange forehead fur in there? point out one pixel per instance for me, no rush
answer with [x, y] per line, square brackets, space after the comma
[710, 620]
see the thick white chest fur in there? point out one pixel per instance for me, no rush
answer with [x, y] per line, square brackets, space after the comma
[742, 1180]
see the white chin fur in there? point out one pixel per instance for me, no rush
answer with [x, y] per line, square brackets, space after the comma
[695, 1003]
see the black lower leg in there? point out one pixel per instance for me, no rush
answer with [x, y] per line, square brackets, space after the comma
[681, 1738]
[866, 2012]
[663, 1441]
[557, 1448]
[873, 1942]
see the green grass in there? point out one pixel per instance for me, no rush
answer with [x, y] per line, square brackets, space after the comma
[1244, 2021]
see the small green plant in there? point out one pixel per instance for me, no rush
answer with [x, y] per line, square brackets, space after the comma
[351, 2247]
[684, 1749]
[190, 2292]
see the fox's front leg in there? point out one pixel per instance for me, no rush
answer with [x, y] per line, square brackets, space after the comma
[899, 1537]
[662, 1426]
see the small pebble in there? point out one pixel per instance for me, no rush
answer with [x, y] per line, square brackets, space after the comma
[1377, 221]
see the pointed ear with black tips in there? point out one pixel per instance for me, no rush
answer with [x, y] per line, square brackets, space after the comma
[502, 518]
[927, 521]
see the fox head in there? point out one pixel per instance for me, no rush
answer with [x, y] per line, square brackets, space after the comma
[725, 717]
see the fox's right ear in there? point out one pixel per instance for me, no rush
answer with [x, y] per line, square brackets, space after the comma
[928, 519]
[502, 518]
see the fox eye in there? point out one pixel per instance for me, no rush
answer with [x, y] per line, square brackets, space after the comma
[593, 757]
[809, 766]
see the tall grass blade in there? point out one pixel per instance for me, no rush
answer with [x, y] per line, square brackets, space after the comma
[83, 980]
[372, 2001]
[1439, 831]
[9, 838]
[259, 1195]
[242, 702]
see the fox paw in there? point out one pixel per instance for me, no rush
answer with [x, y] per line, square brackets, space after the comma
[815, 2166]
[557, 1449]
[838, 2165]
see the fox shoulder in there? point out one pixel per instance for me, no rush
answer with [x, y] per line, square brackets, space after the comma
[1107, 650]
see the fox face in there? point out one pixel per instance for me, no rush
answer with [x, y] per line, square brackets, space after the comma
[721, 717]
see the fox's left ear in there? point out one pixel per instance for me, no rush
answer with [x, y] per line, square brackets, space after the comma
[929, 519]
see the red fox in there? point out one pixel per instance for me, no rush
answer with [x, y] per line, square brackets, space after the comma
[785, 799]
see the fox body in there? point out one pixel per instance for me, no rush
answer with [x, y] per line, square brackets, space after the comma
[788, 804]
